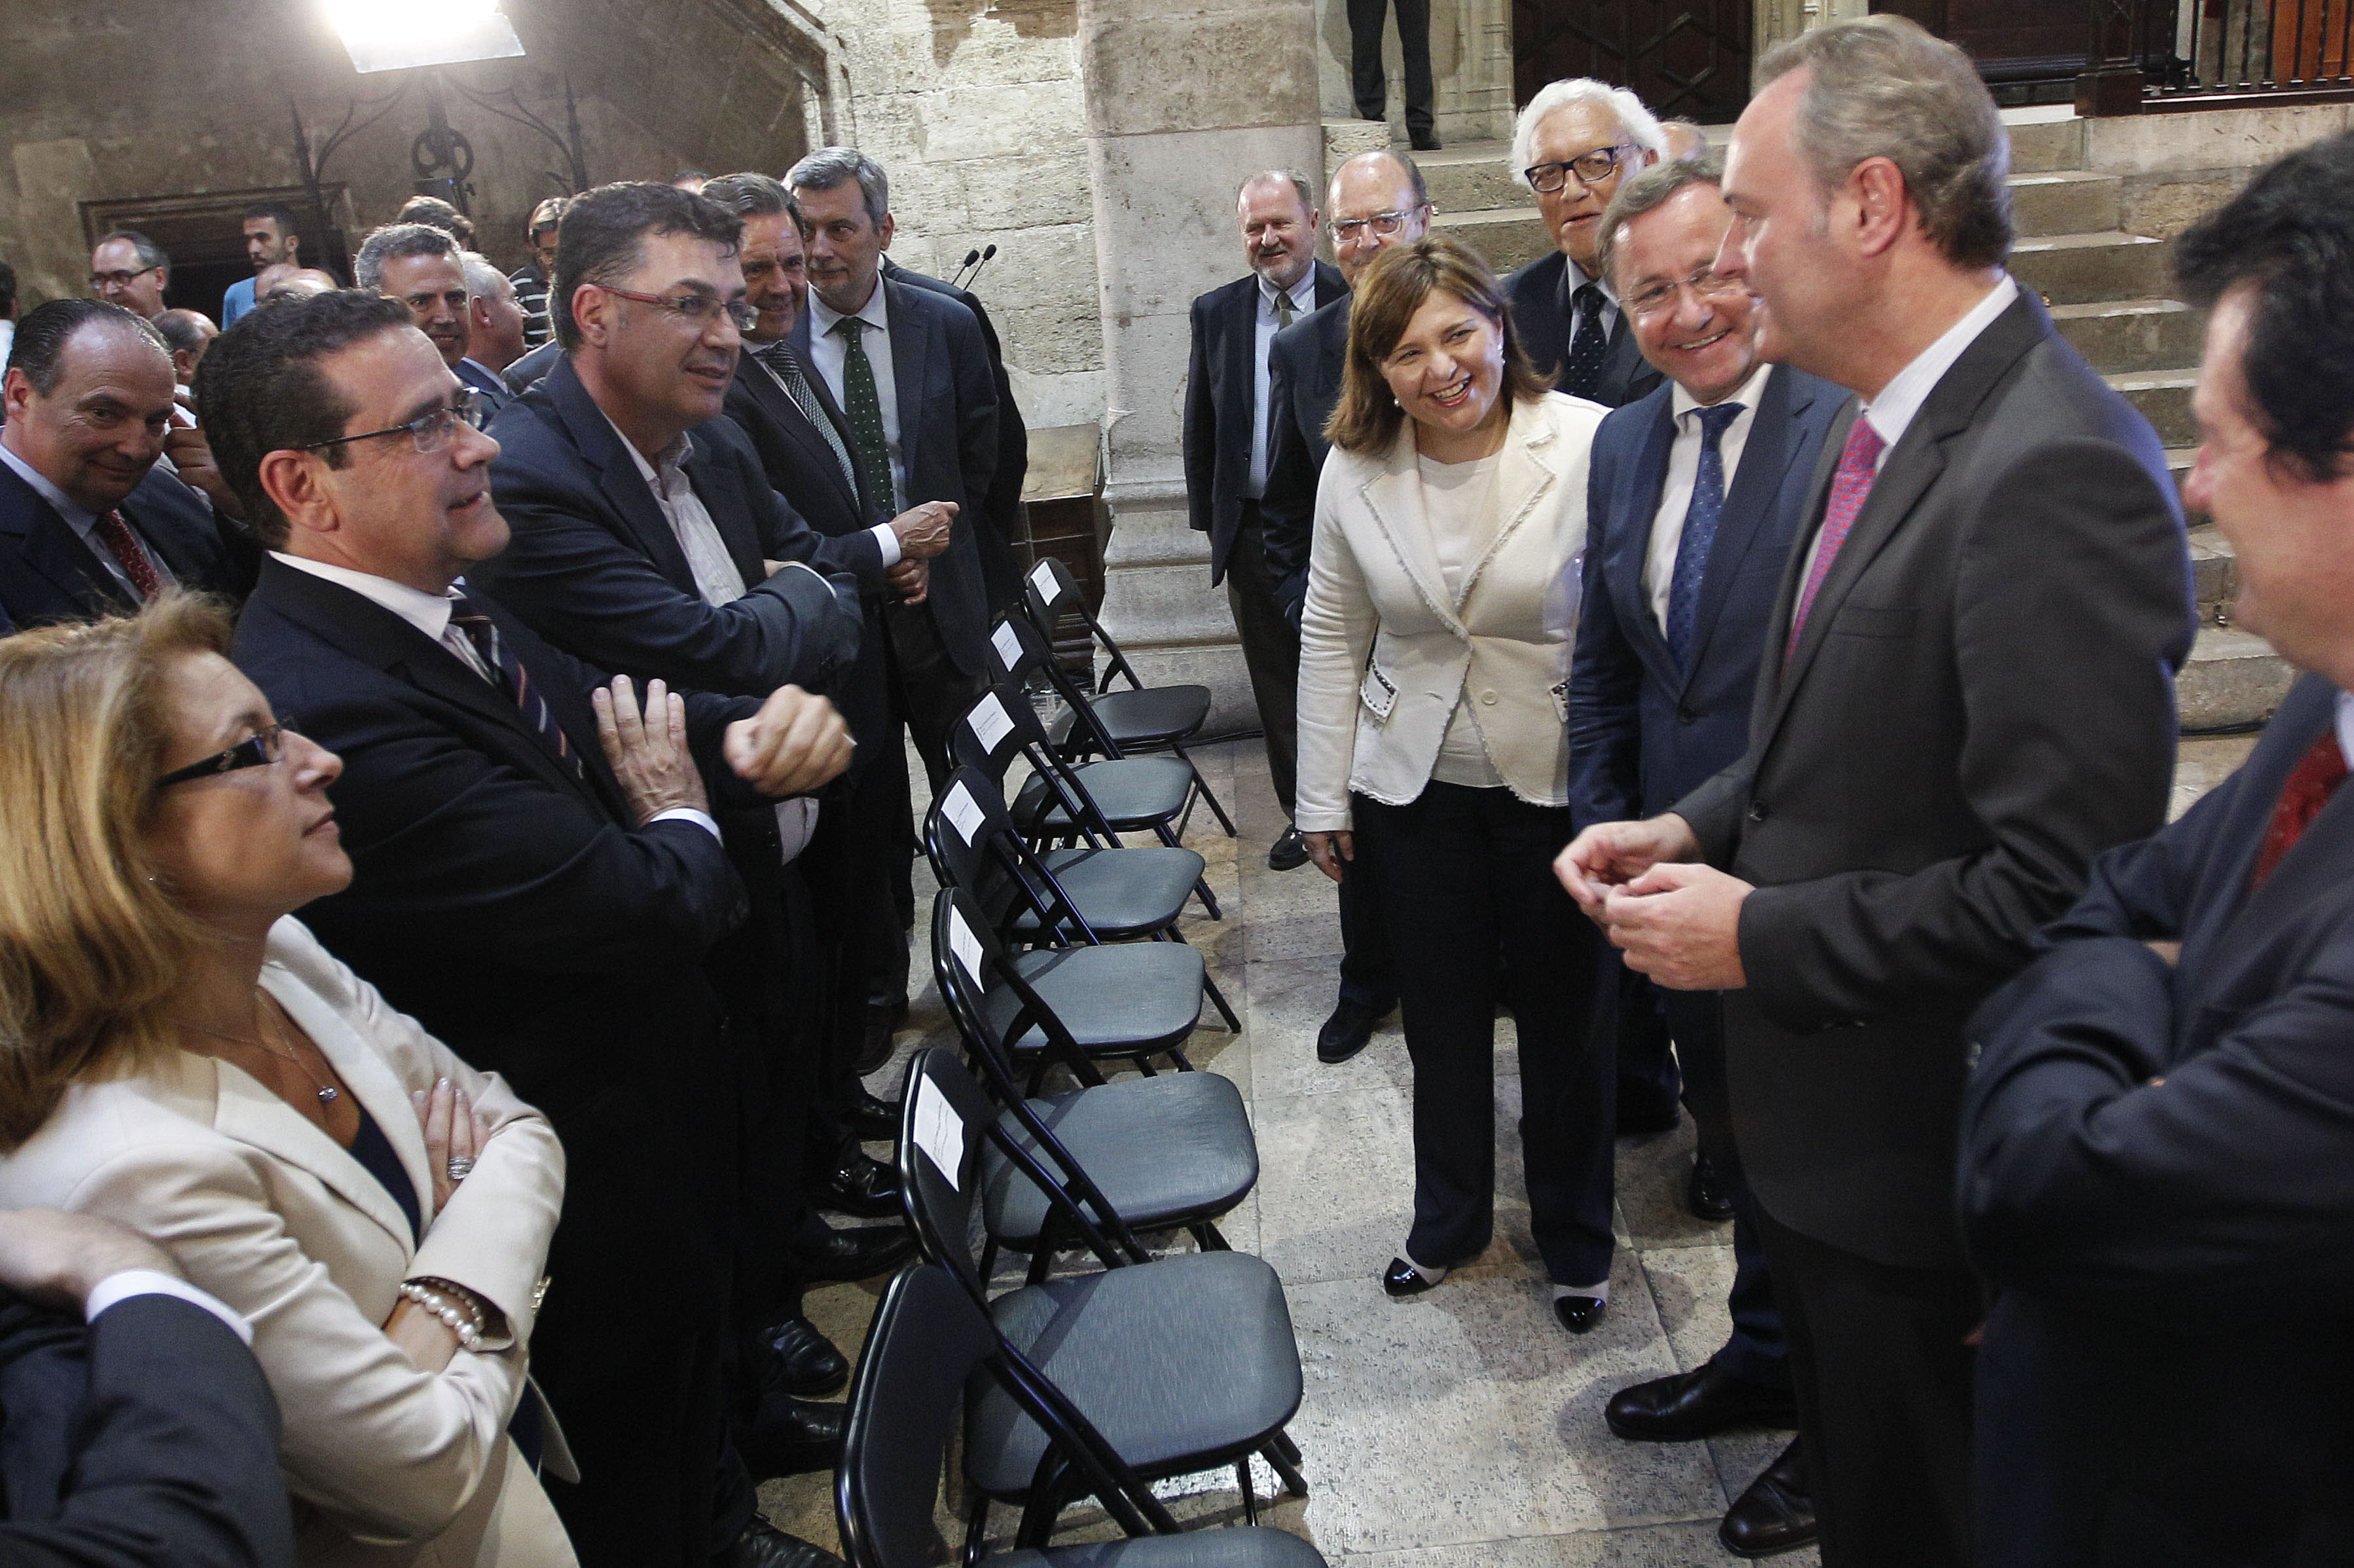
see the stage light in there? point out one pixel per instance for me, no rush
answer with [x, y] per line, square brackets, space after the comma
[396, 34]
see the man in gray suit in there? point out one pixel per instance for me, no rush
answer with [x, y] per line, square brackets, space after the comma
[1966, 694]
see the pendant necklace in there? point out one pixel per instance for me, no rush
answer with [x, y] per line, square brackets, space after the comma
[328, 1093]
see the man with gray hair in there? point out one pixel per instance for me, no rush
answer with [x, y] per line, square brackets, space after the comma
[129, 270]
[1967, 694]
[493, 331]
[1572, 145]
[420, 265]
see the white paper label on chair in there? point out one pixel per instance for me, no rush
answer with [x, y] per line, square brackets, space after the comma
[990, 721]
[1042, 577]
[964, 812]
[965, 945]
[1008, 643]
[940, 1131]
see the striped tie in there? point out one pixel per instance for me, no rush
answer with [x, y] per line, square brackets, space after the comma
[125, 547]
[779, 359]
[468, 616]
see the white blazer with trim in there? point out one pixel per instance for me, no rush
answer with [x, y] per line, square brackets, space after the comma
[387, 1464]
[1384, 651]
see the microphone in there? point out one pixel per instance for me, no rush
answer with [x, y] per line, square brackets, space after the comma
[986, 257]
[971, 258]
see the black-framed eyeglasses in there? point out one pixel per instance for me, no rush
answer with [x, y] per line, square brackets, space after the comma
[120, 279]
[1586, 168]
[698, 311]
[1382, 223]
[266, 746]
[430, 432]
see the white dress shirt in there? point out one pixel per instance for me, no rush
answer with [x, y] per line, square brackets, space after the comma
[1458, 503]
[826, 354]
[1265, 325]
[116, 1288]
[2346, 725]
[1683, 475]
[887, 538]
[84, 522]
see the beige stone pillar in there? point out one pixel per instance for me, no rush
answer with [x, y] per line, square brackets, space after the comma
[1184, 99]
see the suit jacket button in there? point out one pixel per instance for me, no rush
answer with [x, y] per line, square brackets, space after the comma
[1489, 698]
[1757, 810]
[1687, 715]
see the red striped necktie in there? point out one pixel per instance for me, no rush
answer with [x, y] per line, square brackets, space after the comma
[123, 545]
[513, 678]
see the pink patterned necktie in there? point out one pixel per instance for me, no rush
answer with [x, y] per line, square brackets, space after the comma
[1858, 467]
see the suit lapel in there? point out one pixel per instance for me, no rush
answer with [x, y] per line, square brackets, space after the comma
[1395, 498]
[594, 437]
[1528, 472]
[1640, 485]
[774, 401]
[52, 550]
[910, 351]
[245, 1110]
[1766, 460]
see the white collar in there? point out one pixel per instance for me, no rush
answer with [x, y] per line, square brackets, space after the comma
[823, 315]
[1574, 277]
[1682, 402]
[78, 516]
[1892, 413]
[669, 460]
[2346, 725]
[428, 612]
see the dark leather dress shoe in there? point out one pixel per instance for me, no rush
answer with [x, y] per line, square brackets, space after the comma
[798, 1361]
[763, 1545]
[790, 1437]
[882, 1024]
[1288, 853]
[864, 1187]
[873, 1117]
[1402, 1279]
[861, 1252]
[1424, 141]
[1776, 1513]
[1579, 1313]
[1348, 1031]
[1697, 1403]
[1639, 1117]
[1704, 1191]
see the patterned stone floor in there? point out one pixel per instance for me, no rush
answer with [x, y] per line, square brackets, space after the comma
[1461, 1429]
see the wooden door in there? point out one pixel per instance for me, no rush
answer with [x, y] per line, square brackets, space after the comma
[1687, 58]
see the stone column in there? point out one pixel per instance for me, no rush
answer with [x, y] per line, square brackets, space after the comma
[1184, 97]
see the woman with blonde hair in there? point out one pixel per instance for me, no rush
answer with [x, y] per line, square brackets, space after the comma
[1442, 595]
[178, 1053]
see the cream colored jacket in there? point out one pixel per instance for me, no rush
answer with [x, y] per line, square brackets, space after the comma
[387, 1464]
[1384, 651]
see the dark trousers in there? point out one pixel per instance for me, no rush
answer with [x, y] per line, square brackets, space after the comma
[1759, 1350]
[1647, 1083]
[1271, 649]
[1368, 979]
[928, 691]
[1464, 875]
[1882, 1374]
[1371, 87]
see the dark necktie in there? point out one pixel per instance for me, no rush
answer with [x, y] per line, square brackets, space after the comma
[1283, 310]
[862, 405]
[115, 533]
[1859, 465]
[1707, 510]
[508, 673]
[2310, 784]
[779, 358]
[1586, 349]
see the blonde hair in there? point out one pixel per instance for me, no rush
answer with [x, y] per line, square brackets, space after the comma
[1367, 418]
[92, 945]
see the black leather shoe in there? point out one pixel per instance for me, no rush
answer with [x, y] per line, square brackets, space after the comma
[1288, 853]
[861, 1252]
[1697, 1403]
[1402, 1279]
[1642, 1116]
[1776, 1513]
[872, 1117]
[1579, 1313]
[882, 1024]
[798, 1361]
[1704, 1192]
[763, 1545]
[1347, 1031]
[1426, 141]
[864, 1187]
[790, 1437]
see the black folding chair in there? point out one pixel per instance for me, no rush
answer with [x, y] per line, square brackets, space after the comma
[1144, 1154]
[1183, 1363]
[930, 1350]
[1115, 892]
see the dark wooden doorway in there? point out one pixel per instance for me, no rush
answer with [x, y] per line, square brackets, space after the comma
[1684, 59]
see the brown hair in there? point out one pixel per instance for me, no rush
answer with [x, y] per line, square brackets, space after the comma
[1366, 418]
[91, 946]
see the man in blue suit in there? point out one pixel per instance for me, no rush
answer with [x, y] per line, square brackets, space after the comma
[1695, 491]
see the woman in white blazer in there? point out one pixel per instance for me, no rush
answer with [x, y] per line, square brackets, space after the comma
[179, 1054]
[1442, 599]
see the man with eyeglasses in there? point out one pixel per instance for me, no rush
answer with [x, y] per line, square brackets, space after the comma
[91, 522]
[539, 880]
[129, 270]
[1695, 494]
[1572, 145]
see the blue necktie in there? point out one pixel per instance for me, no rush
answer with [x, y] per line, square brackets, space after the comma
[1707, 510]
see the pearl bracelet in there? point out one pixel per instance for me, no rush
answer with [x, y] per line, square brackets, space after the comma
[465, 1321]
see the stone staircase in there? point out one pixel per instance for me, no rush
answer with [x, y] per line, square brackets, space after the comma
[2107, 289]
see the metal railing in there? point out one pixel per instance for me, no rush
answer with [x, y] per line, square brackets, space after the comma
[2195, 53]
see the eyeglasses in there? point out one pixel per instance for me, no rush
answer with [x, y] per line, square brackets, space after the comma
[430, 432]
[1705, 284]
[120, 279]
[267, 745]
[1586, 168]
[1382, 223]
[696, 309]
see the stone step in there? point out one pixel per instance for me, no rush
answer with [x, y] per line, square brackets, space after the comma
[2065, 201]
[2122, 336]
[2163, 399]
[2213, 570]
[2082, 268]
[1473, 176]
[2233, 679]
[2045, 140]
[1507, 236]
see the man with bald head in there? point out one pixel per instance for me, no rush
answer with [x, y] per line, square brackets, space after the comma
[90, 526]
[1228, 426]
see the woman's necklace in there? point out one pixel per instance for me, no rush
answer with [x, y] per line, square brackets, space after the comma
[328, 1093]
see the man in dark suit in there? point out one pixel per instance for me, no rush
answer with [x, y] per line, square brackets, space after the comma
[538, 877]
[139, 1431]
[1229, 431]
[494, 329]
[908, 367]
[1572, 145]
[1377, 200]
[1966, 695]
[89, 524]
[1695, 494]
[424, 267]
[2158, 1117]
